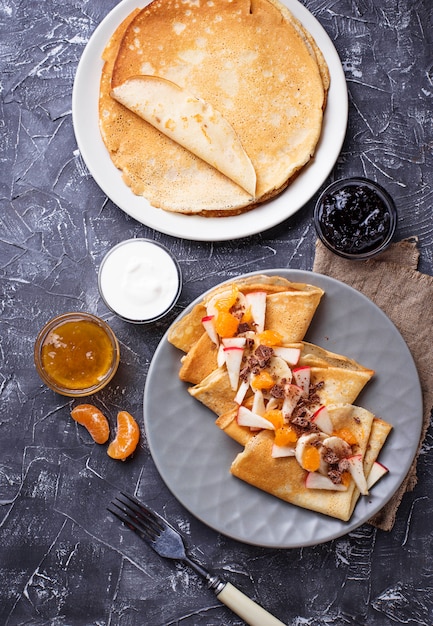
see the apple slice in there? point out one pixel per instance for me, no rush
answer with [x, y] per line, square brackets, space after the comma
[377, 471]
[279, 452]
[259, 403]
[290, 355]
[356, 468]
[208, 322]
[257, 301]
[233, 356]
[315, 480]
[322, 420]
[242, 391]
[233, 342]
[292, 395]
[221, 357]
[245, 417]
[302, 377]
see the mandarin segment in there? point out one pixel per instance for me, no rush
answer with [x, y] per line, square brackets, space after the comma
[347, 436]
[94, 420]
[311, 459]
[275, 416]
[127, 437]
[263, 380]
[285, 435]
[228, 300]
[226, 324]
[270, 338]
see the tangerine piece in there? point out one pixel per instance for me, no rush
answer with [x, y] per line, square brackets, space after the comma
[263, 380]
[94, 420]
[127, 436]
[347, 436]
[247, 317]
[346, 478]
[275, 416]
[226, 302]
[285, 435]
[226, 324]
[311, 459]
[270, 338]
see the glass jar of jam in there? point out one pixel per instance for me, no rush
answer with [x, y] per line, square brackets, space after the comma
[76, 354]
[355, 218]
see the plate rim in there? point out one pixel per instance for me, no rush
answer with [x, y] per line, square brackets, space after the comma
[341, 528]
[197, 228]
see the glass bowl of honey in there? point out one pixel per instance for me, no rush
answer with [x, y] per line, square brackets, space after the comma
[76, 354]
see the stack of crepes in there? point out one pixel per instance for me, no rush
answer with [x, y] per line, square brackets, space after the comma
[288, 402]
[211, 108]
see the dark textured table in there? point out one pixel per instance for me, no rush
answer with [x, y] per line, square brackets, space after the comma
[58, 563]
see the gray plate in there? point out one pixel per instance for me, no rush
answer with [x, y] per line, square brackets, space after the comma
[194, 456]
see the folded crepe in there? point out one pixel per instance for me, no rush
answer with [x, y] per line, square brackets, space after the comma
[339, 380]
[290, 307]
[285, 478]
[257, 69]
[191, 122]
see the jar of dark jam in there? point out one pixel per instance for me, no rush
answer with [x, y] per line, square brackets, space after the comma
[355, 218]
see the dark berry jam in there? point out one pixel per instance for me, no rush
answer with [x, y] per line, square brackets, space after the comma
[355, 218]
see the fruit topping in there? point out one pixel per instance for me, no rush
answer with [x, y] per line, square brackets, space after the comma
[302, 376]
[94, 420]
[356, 468]
[377, 471]
[322, 420]
[315, 480]
[246, 417]
[127, 437]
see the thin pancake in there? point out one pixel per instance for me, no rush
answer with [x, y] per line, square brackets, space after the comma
[285, 479]
[250, 61]
[301, 301]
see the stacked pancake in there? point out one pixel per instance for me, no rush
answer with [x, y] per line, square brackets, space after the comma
[288, 402]
[211, 108]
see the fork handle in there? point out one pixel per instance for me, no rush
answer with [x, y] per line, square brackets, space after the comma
[252, 613]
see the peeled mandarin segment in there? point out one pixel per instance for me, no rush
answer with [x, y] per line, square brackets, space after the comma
[94, 420]
[347, 436]
[311, 459]
[226, 302]
[127, 436]
[226, 324]
[247, 317]
[263, 381]
[346, 478]
[284, 436]
[270, 338]
[275, 416]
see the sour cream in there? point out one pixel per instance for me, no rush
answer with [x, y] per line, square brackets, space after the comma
[139, 280]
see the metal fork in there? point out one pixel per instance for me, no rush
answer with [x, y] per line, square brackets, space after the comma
[169, 543]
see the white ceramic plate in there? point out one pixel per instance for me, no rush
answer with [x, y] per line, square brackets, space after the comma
[85, 119]
[194, 456]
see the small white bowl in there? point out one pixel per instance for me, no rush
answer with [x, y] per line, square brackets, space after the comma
[139, 280]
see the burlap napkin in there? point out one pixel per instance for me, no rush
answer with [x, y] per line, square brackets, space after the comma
[391, 281]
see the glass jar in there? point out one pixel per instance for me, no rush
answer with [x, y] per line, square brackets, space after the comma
[355, 218]
[76, 354]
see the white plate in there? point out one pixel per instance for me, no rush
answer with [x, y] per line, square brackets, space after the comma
[194, 456]
[85, 119]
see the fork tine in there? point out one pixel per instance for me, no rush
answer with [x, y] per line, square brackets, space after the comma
[148, 516]
[136, 517]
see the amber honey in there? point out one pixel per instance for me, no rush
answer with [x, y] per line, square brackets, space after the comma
[76, 354]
